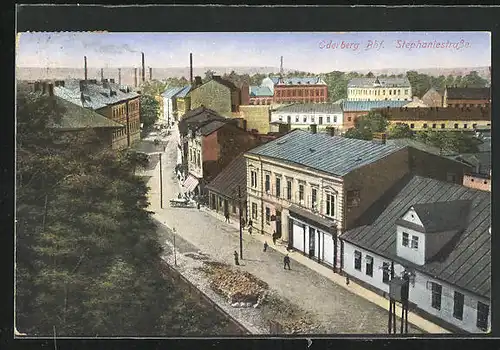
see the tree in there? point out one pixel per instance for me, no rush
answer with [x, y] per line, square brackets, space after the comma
[449, 141]
[153, 87]
[370, 75]
[360, 134]
[366, 125]
[208, 75]
[474, 80]
[399, 131]
[150, 109]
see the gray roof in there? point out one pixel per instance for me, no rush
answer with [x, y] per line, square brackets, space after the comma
[209, 128]
[172, 91]
[324, 108]
[466, 261]
[330, 154]
[468, 93]
[257, 91]
[383, 82]
[443, 216]
[183, 93]
[95, 93]
[228, 180]
[361, 106]
[298, 81]
[76, 117]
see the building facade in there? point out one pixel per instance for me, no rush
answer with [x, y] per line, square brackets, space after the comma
[433, 98]
[260, 95]
[427, 229]
[379, 89]
[466, 97]
[308, 188]
[115, 102]
[352, 110]
[169, 104]
[303, 115]
[439, 119]
[478, 181]
[257, 117]
[299, 90]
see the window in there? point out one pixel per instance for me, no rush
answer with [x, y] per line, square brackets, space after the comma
[406, 92]
[305, 119]
[328, 119]
[474, 126]
[314, 194]
[254, 211]
[437, 290]
[465, 126]
[280, 118]
[268, 215]
[483, 311]
[414, 242]
[297, 119]
[334, 118]
[253, 181]
[369, 266]
[443, 126]
[455, 126]
[451, 177]
[353, 199]
[330, 205]
[383, 92]
[412, 126]
[357, 260]
[390, 92]
[312, 119]
[405, 239]
[301, 192]
[458, 305]
[385, 272]
[349, 119]
[289, 190]
[433, 126]
[278, 187]
[268, 183]
[425, 125]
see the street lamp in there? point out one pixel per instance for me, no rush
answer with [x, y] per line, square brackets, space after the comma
[175, 255]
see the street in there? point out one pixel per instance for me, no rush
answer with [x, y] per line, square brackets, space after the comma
[196, 230]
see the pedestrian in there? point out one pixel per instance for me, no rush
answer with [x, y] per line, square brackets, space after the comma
[347, 279]
[227, 217]
[236, 262]
[275, 237]
[286, 262]
[250, 226]
[265, 246]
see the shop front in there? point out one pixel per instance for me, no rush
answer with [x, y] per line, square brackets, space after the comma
[313, 236]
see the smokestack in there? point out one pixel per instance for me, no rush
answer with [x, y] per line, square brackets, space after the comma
[150, 73]
[191, 68]
[102, 74]
[85, 66]
[281, 66]
[119, 76]
[135, 77]
[143, 68]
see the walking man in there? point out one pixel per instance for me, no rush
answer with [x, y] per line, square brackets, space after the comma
[227, 216]
[286, 262]
[265, 246]
[236, 262]
[250, 226]
[274, 237]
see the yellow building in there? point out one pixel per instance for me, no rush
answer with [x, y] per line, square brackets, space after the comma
[379, 89]
[257, 117]
[435, 118]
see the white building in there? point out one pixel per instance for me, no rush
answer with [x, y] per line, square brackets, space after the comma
[168, 103]
[303, 115]
[440, 233]
[379, 89]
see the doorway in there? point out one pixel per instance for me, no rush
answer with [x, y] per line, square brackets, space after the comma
[312, 243]
[320, 120]
[278, 224]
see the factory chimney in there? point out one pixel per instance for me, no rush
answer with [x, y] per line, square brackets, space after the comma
[85, 66]
[281, 67]
[143, 68]
[191, 68]
[119, 76]
[102, 74]
[135, 77]
[150, 73]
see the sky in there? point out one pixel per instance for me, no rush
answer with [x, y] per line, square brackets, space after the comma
[315, 52]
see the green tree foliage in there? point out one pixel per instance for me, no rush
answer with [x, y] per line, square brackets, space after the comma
[208, 75]
[452, 142]
[370, 75]
[399, 131]
[87, 248]
[474, 80]
[150, 109]
[366, 125]
[153, 87]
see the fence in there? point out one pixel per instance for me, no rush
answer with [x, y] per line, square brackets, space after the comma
[198, 295]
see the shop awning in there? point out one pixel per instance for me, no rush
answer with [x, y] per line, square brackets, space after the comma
[312, 219]
[190, 183]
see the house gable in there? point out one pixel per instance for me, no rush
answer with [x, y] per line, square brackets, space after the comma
[412, 216]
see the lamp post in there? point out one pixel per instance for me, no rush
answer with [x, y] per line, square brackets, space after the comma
[175, 254]
[241, 228]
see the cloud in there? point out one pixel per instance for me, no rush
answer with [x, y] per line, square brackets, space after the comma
[111, 48]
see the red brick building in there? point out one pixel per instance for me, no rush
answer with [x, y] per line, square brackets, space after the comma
[280, 90]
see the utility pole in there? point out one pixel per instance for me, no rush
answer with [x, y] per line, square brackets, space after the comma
[241, 228]
[175, 254]
[161, 184]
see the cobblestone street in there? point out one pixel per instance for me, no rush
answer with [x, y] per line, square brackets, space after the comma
[337, 309]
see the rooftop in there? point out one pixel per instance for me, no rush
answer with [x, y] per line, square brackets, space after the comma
[330, 154]
[437, 113]
[378, 82]
[212, 126]
[362, 106]
[465, 263]
[183, 93]
[257, 91]
[324, 108]
[298, 81]
[468, 93]
[172, 91]
[233, 175]
[96, 94]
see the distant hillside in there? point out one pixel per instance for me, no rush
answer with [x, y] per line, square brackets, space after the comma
[127, 73]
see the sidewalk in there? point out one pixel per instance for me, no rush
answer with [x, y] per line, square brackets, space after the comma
[353, 287]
